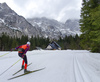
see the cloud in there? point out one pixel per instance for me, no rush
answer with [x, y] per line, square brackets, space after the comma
[60, 10]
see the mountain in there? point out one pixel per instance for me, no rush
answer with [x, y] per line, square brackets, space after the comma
[54, 29]
[73, 25]
[12, 21]
[15, 25]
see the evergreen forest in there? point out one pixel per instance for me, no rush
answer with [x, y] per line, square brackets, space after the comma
[7, 43]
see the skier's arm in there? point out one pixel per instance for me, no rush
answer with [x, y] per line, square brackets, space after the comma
[17, 47]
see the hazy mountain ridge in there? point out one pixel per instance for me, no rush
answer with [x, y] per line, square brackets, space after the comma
[15, 25]
[53, 28]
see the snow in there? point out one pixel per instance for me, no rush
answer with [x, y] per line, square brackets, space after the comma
[2, 21]
[60, 66]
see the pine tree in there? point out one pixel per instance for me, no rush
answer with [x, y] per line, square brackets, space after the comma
[88, 23]
[95, 33]
[85, 25]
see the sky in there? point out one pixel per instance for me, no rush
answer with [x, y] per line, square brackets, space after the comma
[60, 10]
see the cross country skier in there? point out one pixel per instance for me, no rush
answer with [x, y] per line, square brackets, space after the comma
[22, 50]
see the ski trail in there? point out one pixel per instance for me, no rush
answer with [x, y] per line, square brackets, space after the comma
[61, 66]
[79, 72]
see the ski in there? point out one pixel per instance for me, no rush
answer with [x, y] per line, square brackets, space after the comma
[26, 73]
[21, 69]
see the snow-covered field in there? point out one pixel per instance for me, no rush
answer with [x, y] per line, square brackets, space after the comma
[60, 66]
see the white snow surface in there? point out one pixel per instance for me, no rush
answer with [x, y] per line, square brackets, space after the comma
[60, 66]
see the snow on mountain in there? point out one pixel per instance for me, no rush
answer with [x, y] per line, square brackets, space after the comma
[53, 28]
[60, 66]
[43, 27]
[12, 20]
[73, 25]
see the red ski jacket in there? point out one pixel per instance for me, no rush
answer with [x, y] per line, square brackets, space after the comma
[25, 48]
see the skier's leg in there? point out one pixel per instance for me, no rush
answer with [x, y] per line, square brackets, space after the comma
[25, 60]
[23, 64]
[25, 68]
[21, 55]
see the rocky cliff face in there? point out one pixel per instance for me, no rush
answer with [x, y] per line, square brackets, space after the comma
[54, 29]
[73, 25]
[13, 21]
[15, 25]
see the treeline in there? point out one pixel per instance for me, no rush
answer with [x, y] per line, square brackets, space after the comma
[90, 25]
[7, 43]
[70, 42]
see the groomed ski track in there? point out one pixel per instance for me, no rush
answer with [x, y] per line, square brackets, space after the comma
[79, 72]
[61, 66]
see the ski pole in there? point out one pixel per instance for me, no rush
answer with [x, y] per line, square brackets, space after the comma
[5, 54]
[10, 67]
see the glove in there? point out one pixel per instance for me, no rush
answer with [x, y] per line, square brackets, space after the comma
[12, 49]
[15, 48]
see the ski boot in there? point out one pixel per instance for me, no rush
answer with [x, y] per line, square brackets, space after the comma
[22, 67]
[26, 71]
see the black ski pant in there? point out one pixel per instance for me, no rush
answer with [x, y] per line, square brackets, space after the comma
[23, 56]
